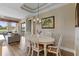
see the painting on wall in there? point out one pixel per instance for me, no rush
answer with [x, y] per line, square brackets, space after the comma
[48, 22]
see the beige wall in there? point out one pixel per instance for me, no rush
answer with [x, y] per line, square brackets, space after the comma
[64, 22]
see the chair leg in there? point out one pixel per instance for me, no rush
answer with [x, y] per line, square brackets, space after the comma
[32, 53]
[28, 51]
[38, 53]
[59, 52]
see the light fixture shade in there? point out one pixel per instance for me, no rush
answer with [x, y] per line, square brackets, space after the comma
[37, 19]
[40, 21]
[34, 20]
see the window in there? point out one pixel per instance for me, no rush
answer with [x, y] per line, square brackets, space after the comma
[13, 26]
[23, 27]
[3, 26]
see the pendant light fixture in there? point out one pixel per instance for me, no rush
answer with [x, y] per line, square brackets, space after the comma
[38, 18]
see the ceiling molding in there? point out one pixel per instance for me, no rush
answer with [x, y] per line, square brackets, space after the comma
[50, 7]
[42, 4]
[33, 10]
[58, 5]
[46, 7]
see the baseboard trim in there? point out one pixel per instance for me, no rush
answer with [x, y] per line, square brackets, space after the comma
[68, 49]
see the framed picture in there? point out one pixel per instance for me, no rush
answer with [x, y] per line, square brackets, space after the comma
[48, 22]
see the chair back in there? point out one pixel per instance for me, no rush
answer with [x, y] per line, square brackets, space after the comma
[56, 36]
[59, 42]
[34, 42]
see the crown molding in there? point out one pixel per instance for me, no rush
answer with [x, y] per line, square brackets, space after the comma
[49, 8]
[44, 8]
[31, 10]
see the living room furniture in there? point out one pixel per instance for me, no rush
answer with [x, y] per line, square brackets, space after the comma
[35, 46]
[55, 49]
[42, 40]
[46, 41]
[13, 37]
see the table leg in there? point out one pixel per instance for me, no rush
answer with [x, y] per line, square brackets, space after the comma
[45, 52]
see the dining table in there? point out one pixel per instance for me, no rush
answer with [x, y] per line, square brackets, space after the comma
[45, 41]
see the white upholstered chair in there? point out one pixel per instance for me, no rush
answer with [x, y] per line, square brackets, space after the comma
[55, 49]
[28, 44]
[35, 45]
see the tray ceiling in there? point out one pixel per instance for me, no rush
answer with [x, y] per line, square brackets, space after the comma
[22, 10]
[33, 7]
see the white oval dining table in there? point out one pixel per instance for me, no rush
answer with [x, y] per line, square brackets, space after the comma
[45, 41]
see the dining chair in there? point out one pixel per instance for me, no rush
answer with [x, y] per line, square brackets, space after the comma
[36, 46]
[28, 44]
[28, 49]
[56, 48]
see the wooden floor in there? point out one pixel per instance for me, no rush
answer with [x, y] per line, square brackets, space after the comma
[19, 49]
[12, 51]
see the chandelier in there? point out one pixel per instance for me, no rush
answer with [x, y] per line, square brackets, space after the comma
[37, 19]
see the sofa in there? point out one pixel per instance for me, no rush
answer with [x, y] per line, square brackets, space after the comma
[13, 37]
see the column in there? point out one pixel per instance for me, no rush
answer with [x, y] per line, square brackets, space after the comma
[9, 26]
[19, 28]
